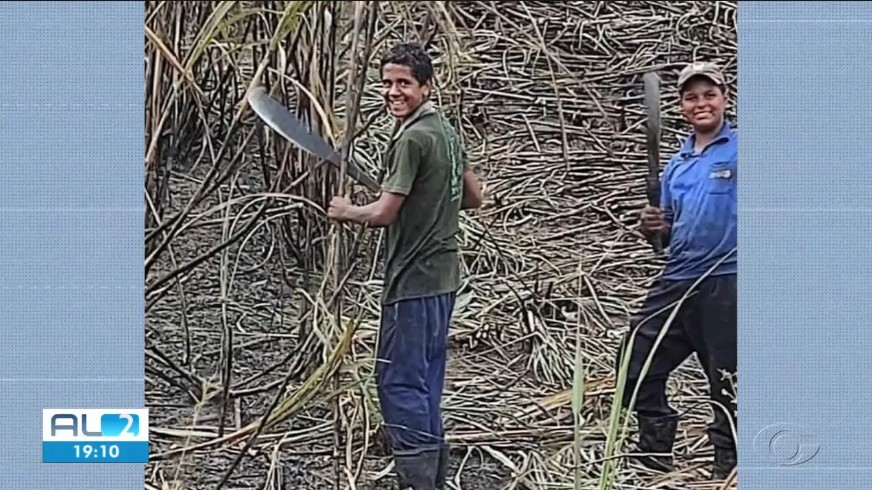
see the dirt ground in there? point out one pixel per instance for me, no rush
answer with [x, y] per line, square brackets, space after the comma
[264, 335]
[506, 405]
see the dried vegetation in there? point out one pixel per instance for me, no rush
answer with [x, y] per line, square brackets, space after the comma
[244, 322]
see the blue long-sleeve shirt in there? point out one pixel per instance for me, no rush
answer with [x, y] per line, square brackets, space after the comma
[699, 202]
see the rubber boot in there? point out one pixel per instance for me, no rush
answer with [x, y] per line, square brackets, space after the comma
[442, 470]
[656, 435]
[725, 461]
[417, 471]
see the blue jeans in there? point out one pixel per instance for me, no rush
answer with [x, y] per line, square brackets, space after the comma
[410, 371]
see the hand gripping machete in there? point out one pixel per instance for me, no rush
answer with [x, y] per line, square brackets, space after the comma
[283, 122]
[652, 130]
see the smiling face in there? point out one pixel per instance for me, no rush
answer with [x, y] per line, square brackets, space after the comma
[402, 92]
[702, 104]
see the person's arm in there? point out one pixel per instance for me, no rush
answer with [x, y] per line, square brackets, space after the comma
[666, 203]
[472, 190]
[379, 213]
[473, 193]
[665, 233]
[401, 172]
[658, 219]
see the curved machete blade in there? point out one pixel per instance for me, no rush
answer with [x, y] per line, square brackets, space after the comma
[652, 128]
[652, 131]
[283, 122]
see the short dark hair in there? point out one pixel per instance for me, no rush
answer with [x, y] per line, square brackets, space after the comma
[413, 56]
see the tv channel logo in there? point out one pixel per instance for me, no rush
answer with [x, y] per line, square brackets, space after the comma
[95, 435]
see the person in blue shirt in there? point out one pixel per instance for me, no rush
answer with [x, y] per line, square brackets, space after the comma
[696, 221]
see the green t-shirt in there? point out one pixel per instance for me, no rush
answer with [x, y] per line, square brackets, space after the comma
[424, 163]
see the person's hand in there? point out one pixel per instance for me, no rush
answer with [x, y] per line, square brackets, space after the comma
[487, 200]
[651, 220]
[337, 209]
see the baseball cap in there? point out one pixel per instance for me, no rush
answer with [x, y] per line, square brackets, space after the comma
[701, 68]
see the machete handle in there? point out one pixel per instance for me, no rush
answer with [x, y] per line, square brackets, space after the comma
[653, 191]
[656, 241]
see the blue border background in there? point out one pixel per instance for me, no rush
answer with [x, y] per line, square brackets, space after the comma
[71, 245]
[805, 349]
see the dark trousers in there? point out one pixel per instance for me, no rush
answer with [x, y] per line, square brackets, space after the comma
[410, 371]
[705, 325]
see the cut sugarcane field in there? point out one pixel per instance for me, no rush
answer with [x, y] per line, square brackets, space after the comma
[262, 314]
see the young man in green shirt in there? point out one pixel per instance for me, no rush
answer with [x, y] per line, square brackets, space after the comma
[427, 183]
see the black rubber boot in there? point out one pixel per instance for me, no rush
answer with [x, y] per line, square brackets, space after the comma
[656, 435]
[725, 461]
[417, 471]
[442, 470]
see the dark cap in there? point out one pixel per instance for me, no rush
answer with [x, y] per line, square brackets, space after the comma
[701, 68]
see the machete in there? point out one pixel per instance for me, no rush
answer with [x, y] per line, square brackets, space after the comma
[283, 122]
[652, 130]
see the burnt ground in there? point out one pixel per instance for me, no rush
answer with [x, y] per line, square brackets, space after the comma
[506, 402]
[263, 317]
